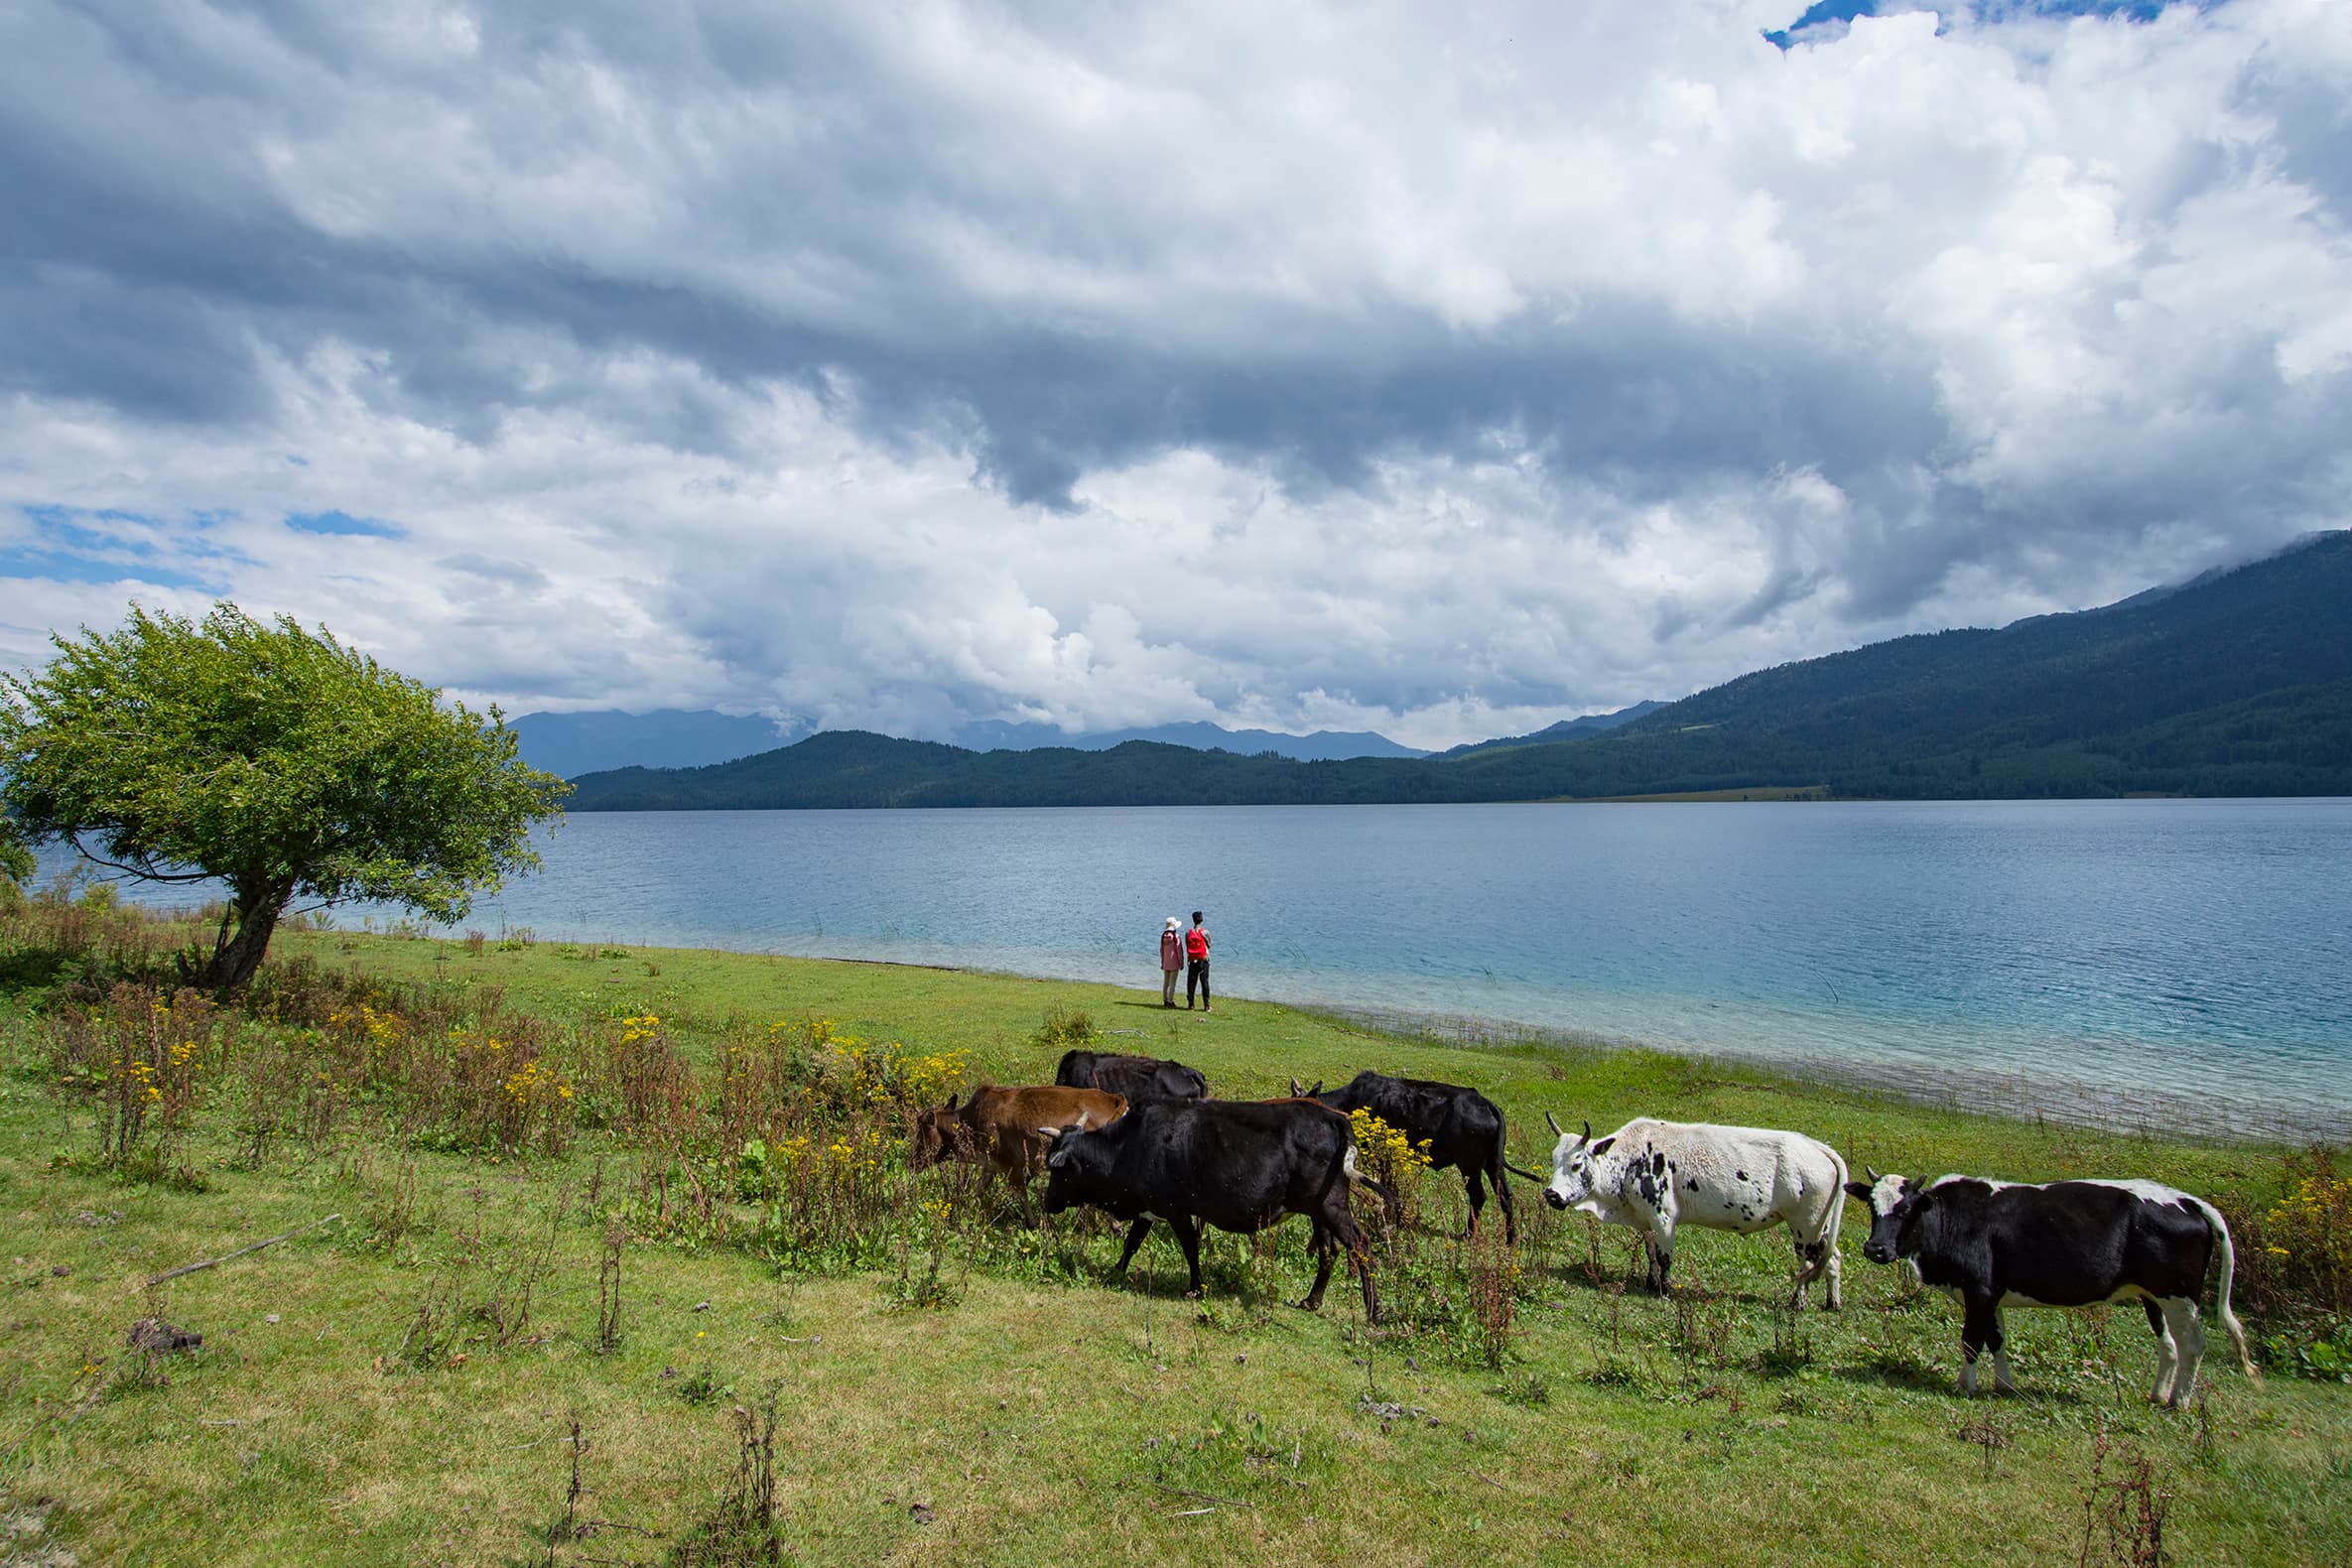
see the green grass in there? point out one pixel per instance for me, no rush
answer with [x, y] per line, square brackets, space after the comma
[1035, 1413]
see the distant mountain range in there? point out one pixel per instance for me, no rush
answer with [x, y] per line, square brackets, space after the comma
[1323, 746]
[570, 744]
[2238, 683]
[1565, 730]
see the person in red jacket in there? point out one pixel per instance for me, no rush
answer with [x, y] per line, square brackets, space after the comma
[1171, 961]
[1196, 968]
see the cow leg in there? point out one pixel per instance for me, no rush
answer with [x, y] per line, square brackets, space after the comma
[1338, 1224]
[2181, 1322]
[1661, 1252]
[2002, 1382]
[1135, 1235]
[1980, 1325]
[1188, 1236]
[2167, 1351]
[1814, 1259]
[1478, 1198]
[1323, 1248]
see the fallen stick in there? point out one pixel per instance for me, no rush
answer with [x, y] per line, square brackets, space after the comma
[1205, 1497]
[214, 1263]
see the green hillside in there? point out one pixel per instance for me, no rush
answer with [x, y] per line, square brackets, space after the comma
[2236, 683]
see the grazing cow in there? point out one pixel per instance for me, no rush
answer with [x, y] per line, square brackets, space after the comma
[1655, 1175]
[1140, 1078]
[1462, 1128]
[1008, 1130]
[1240, 1165]
[1997, 1244]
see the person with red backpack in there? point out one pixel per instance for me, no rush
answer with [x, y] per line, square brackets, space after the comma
[1171, 961]
[1196, 968]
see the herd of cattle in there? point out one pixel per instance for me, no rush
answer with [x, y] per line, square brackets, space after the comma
[1140, 1138]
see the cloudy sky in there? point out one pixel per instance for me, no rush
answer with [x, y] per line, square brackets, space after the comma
[1438, 369]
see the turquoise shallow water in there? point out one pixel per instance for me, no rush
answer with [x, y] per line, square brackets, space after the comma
[2195, 953]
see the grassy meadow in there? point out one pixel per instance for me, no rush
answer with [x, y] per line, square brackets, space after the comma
[627, 1267]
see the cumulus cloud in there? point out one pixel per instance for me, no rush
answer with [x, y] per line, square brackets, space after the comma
[1281, 364]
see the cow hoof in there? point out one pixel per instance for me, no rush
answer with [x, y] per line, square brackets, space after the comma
[1311, 1304]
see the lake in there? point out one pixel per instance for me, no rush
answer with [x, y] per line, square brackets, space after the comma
[2193, 955]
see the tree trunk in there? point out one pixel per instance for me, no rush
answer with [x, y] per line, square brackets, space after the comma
[235, 957]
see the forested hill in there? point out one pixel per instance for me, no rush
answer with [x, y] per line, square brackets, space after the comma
[2236, 683]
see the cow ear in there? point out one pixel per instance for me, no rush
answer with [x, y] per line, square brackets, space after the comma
[1317, 1089]
[1604, 1145]
[1859, 1191]
[952, 1099]
[1296, 1092]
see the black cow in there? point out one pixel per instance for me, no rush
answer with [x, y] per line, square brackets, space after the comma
[1140, 1078]
[2069, 1243]
[1462, 1128]
[1240, 1165]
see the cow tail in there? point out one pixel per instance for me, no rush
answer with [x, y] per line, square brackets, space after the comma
[2221, 1294]
[1837, 1202]
[1348, 1165]
[1523, 1174]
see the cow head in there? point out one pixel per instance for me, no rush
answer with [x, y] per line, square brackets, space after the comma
[1572, 1166]
[935, 1134]
[1074, 1163]
[1896, 1206]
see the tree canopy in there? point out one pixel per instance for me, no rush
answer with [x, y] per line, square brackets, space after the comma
[273, 758]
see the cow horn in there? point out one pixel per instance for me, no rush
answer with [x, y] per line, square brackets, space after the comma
[1588, 1132]
[1556, 1133]
[1870, 1173]
[1079, 1124]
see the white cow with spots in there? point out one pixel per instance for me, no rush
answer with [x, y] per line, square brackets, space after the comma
[1656, 1175]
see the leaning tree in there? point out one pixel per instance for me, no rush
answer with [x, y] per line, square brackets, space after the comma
[273, 759]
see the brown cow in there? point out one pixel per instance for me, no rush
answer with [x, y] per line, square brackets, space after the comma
[1010, 1130]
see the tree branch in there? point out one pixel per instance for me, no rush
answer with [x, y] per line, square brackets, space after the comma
[144, 873]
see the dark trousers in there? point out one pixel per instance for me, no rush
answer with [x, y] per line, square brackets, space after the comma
[1196, 979]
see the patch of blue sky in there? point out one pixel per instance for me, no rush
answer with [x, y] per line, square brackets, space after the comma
[70, 546]
[342, 523]
[1824, 12]
[19, 564]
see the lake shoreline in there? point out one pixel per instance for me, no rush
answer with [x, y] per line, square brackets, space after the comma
[2140, 1110]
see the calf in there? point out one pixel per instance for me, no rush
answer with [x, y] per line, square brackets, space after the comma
[1240, 1165]
[1655, 1175]
[1461, 1129]
[1008, 1130]
[1997, 1244]
[1140, 1078]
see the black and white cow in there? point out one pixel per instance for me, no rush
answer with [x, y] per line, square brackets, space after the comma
[1461, 1130]
[2067, 1243]
[1656, 1175]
